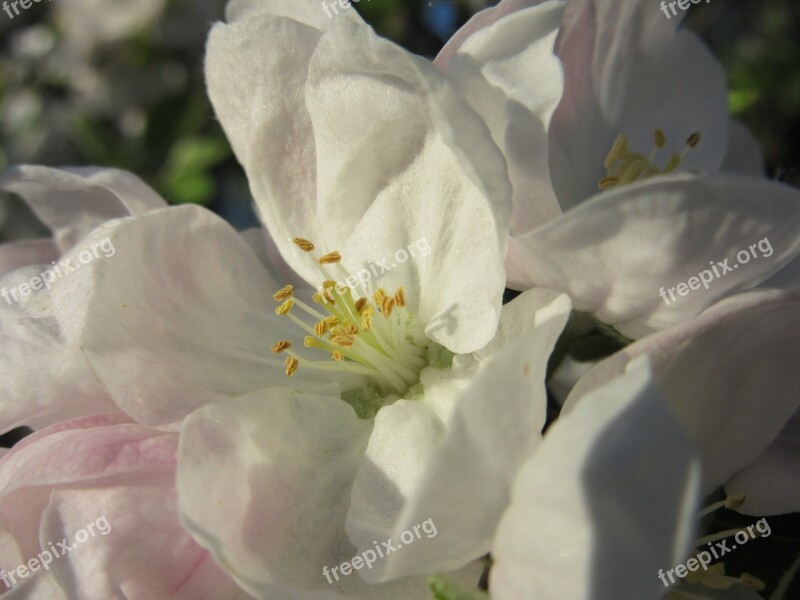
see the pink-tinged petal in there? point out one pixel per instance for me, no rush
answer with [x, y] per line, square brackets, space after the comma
[483, 19]
[510, 76]
[44, 378]
[451, 457]
[14, 255]
[264, 483]
[607, 500]
[623, 61]
[72, 202]
[730, 376]
[771, 485]
[182, 311]
[744, 156]
[114, 480]
[616, 253]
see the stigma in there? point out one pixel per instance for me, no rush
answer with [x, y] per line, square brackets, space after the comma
[367, 333]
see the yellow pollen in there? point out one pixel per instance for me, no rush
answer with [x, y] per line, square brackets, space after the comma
[281, 345]
[283, 293]
[337, 355]
[379, 296]
[284, 308]
[344, 341]
[321, 327]
[360, 304]
[303, 244]
[387, 306]
[400, 297]
[366, 322]
[330, 258]
[291, 365]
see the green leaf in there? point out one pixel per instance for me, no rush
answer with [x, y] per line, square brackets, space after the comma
[740, 100]
[444, 589]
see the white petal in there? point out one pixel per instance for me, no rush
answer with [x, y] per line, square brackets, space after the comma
[606, 501]
[613, 255]
[182, 311]
[307, 12]
[744, 155]
[72, 202]
[510, 75]
[280, 467]
[609, 92]
[729, 375]
[452, 456]
[771, 484]
[14, 255]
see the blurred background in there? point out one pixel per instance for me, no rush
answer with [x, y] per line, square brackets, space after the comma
[120, 83]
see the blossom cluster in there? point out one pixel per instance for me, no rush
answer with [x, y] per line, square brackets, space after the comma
[244, 421]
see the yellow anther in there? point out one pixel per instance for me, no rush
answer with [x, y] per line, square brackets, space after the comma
[387, 306]
[400, 297]
[343, 341]
[674, 162]
[330, 258]
[332, 321]
[660, 138]
[608, 182]
[632, 173]
[366, 322]
[320, 327]
[303, 244]
[734, 502]
[291, 365]
[316, 298]
[283, 293]
[284, 308]
[619, 148]
[311, 342]
[328, 295]
[379, 296]
[328, 284]
[693, 140]
[360, 304]
[337, 355]
[281, 345]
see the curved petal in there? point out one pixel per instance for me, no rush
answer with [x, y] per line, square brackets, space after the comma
[730, 376]
[464, 440]
[114, 480]
[623, 254]
[44, 378]
[744, 156]
[414, 163]
[280, 466]
[620, 60]
[307, 12]
[181, 311]
[72, 202]
[771, 484]
[14, 255]
[509, 74]
[611, 493]
[477, 22]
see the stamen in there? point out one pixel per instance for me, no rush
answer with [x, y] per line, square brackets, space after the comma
[292, 365]
[660, 138]
[693, 140]
[303, 244]
[400, 297]
[281, 345]
[731, 502]
[330, 258]
[338, 356]
[360, 304]
[387, 306]
[618, 148]
[283, 293]
[608, 182]
[284, 308]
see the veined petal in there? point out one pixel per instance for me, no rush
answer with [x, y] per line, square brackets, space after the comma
[72, 202]
[621, 60]
[451, 457]
[264, 483]
[731, 410]
[510, 75]
[182, 311]
[744, 156]
[615, 253]
[610, 493]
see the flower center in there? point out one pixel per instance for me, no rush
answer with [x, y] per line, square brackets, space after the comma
[624, 166]
[373, 334]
